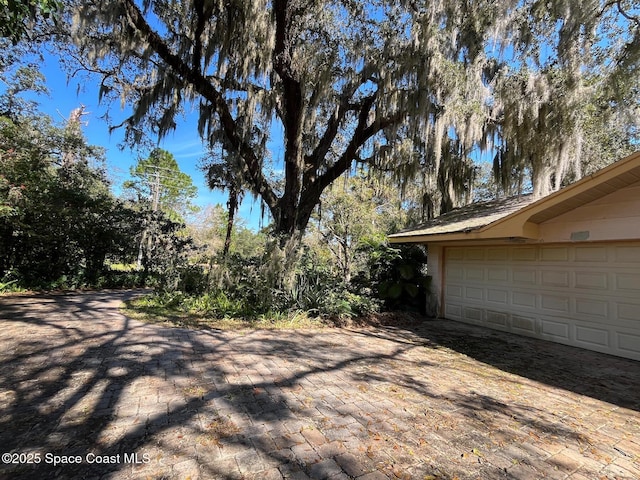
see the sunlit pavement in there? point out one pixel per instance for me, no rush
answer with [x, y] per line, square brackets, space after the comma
[88, 393]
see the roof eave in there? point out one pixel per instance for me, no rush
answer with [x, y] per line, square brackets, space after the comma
[527, 231]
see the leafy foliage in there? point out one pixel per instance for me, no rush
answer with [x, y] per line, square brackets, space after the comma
[60, 225]
[396, 275]
[165, 248]
[55, 221]
[17, 17]
[158, 180]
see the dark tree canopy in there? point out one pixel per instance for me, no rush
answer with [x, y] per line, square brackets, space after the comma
[405, 87]
[18, 17]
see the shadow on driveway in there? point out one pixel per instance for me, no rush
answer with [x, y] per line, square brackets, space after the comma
[127, 400]
[604, 377]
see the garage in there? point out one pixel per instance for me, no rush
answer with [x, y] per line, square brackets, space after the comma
[582, 295]
[564, 268]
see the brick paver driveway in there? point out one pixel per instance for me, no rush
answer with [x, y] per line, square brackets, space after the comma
[81, 383]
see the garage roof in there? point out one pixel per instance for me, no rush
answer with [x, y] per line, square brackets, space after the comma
[519, 217]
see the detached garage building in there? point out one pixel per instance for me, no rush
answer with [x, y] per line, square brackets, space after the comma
[564, 268]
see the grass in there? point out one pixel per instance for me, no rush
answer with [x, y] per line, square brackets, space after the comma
[147, 311]
[9, 286]
[123, 267]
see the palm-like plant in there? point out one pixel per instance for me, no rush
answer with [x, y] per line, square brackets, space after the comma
[223, 173]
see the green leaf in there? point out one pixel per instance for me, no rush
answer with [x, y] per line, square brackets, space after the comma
[411, 289]
[406, 271]
[394, 291]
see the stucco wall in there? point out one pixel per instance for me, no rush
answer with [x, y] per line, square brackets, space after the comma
[434, 270]
[613, 217]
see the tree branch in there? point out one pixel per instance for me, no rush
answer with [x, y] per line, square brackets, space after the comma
[361, 134]
[253, 168]
[313, 161]
[626, 15]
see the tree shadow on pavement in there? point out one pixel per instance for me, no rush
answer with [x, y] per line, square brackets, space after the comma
[133, 400]
[596, 375]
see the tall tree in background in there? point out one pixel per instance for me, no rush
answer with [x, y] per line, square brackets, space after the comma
[159, 180]
[226, 174]
[388, 84]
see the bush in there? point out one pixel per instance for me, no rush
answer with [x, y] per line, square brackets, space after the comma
[257, 286]
[122, 279]
[10, 282]
[396, 275]
[193, 280]
[218, 305]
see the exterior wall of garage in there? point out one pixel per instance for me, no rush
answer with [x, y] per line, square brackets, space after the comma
[613, 217]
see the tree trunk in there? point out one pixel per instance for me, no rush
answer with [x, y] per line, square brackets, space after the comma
[94, 265]
[232, 205]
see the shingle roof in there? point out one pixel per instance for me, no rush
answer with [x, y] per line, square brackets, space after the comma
[470, 217]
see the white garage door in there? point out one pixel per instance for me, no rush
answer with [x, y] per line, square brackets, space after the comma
[583, 295]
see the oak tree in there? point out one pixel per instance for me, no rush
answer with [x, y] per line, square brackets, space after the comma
[389, 84]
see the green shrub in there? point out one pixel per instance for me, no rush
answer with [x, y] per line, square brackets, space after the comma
[217, 305]
[193, 280]
[122, 279]
[396, 275]
[10, 282]
[256, 286]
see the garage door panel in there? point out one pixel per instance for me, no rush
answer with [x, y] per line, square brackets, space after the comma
[590, 254]
[524, 277]
[472, 254]
[590, 336]
[627, 281]
[455, 272]
[523, 324]
[453, 311]
[498, 275]
[554, 254]
[627, 254]
[591, 307]
[582, 295]
[629, 312]
[498, 254]
[591, 280]
[500, 319]
[454, 291]
[554, 303]
[629, 343]
[527, 254]
[473, 314]
[474, 274]
[555, 330]
[554, 278]
[524, 299]
[473, 293]
[500, 296]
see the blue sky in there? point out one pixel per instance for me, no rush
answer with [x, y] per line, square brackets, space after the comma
[67, 94]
